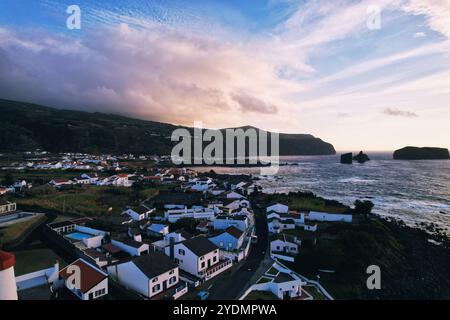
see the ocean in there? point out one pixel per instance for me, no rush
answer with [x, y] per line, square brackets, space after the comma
[413, 191]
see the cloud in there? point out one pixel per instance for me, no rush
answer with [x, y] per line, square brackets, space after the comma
[420, 35]
[399, 113]
[249, 103]
[436, 12]
[159, 74]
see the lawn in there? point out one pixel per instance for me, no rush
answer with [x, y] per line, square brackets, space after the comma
[261, 295]
[316, 294]
[94, 201]
[34, 258]
[14, 231]
[263, 280]
[272, 271]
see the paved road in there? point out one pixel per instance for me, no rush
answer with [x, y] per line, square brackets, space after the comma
[230, 287]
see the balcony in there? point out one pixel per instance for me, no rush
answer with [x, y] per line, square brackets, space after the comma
[216, 269]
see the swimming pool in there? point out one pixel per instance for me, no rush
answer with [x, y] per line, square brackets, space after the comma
[78, 236]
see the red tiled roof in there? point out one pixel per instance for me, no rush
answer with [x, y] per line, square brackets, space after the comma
[60, 180]
[90, 276]
[235, 232]
[7, 260]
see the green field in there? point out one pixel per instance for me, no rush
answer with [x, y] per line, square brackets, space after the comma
[13, 232]
[93, 201]
[35, 257]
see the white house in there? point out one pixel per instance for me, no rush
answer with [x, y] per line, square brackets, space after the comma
[298, 218]
[231, 239]
[149, 275]
[222, 222]
[285, 284]
[331, 217]
[134, 248]
[173, 215]
[139, 213]
[199, 257]
[158, 229]
[92, 284]
[62, 226]
[276, 225]
[284, 247]
[277, 207]
[201, 184]
[7, 207]
[175, 237]
[86, 179]
[237, 204]
[60, 182]
[121, 180]
[234, 195]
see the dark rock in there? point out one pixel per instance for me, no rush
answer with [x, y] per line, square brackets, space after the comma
[361, 157]
[416, 153]
[347, 158]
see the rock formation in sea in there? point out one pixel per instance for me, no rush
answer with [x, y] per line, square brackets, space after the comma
[426, 153]
[347, 158]
[361, 157]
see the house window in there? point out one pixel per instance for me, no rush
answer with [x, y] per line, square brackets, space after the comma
[181, 251]
[214, 258]
[221, 244]
[155, 279]
[203, 264]
[100, 292]
[202, 258]
[172, 271]
[230, 244]
[156, 287]
[172, 280]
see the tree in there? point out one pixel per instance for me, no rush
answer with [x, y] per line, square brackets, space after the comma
[363, 207]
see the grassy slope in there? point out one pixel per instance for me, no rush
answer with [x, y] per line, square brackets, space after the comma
[25, 126]
[94, 201]
[411, 267]
[14, 231]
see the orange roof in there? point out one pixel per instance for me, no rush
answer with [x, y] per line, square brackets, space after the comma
[7, 260]
[90, 276]
[60, 180]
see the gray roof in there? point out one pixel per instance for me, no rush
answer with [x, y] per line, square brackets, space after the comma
[200, 245]
[236, 217]
[154, 264]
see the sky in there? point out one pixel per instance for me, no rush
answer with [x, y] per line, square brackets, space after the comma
[362, 75]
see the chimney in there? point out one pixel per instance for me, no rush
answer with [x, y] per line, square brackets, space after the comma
[171, 248]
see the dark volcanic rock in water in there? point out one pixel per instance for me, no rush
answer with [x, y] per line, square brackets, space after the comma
[347, 158]
[361, 157]
[416, 153]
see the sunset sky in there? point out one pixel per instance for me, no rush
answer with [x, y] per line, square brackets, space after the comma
[295, 66]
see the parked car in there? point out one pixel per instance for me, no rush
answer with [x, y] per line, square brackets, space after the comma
[203, 295]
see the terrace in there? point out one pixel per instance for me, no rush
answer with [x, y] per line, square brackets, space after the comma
[216, 269]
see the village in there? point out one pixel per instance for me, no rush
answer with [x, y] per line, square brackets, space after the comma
[195, 235]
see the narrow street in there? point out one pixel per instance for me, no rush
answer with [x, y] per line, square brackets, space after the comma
[231, 287]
